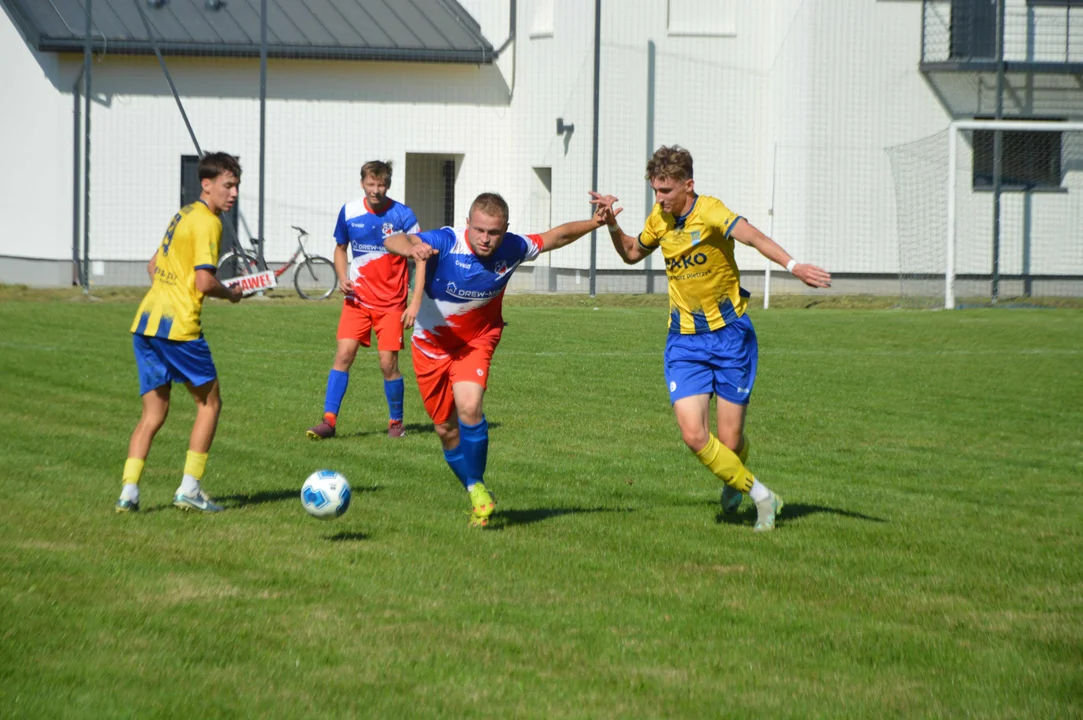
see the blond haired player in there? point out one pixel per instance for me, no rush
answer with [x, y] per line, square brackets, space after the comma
[711, 348]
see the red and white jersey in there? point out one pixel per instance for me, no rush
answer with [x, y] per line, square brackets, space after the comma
[464, 293]
[379, 278]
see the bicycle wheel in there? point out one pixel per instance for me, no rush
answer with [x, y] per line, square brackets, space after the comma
[234, 264]
[315, 278]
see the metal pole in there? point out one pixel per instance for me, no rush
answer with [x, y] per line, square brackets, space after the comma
[262, 125]
[168, 78]
[998, 152]
[770, 229]
[88, 51]
[594, 161]
[649, 204]
[77, 162]
[949, 266]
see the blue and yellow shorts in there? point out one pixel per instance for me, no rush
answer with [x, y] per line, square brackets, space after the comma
[161, 362]
[722, 362]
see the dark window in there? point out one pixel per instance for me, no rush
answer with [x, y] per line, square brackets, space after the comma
[191, 189]
[1055, 3]
[1029, 160]
[973, 29]
[449, 192]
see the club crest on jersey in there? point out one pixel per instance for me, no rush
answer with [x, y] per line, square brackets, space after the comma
[501, 267]
[695, 236]
[388, 229]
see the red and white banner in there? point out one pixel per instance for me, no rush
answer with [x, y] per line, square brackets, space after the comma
[253, 283]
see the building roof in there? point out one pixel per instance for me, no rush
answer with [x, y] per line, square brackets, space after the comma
[396, 30]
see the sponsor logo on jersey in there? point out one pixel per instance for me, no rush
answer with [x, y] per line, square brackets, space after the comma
[455, 291]
[682, 263]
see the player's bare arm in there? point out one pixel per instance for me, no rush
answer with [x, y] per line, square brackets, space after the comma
[342, 266]
[411, 311]
[152, 265]
[208, 284]
[627, 246]
[747, 234]
[409, 246]
[568, 233]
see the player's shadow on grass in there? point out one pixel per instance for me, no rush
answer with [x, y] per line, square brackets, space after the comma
[410, 428]
[791, 511]
[505, 518]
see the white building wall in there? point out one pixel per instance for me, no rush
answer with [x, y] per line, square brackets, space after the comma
[36, 127]
[845, 87]
[788, 110]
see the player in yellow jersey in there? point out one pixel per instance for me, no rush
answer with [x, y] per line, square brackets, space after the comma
[711, 348]
[168, 338]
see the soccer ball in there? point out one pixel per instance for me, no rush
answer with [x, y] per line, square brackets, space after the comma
[325, 494]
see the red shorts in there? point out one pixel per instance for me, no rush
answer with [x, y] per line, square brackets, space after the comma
[436, 377]
[357, 323]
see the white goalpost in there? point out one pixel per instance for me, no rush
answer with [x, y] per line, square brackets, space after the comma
[966, 238]
[1036, 157]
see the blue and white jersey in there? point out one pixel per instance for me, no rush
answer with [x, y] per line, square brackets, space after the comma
[379, 278]
[464, 293]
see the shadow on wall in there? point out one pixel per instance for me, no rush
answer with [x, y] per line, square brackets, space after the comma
[313, 80]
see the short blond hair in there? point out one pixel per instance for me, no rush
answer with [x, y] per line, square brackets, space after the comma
[671, 162]
[491, 204]
[379, 169]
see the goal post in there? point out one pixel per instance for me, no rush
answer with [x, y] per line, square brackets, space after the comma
[961, 242]
[1033, 160]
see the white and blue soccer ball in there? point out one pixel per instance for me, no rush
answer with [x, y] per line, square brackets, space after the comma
[325, 494]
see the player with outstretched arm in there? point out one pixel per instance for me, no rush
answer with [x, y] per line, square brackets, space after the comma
[167, 333]
[460, 323]
[711, 348]
[375, 285]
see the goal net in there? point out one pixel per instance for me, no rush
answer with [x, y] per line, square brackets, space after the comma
[956, 247]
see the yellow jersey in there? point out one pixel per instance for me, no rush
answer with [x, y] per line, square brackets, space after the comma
[705, 291]
[172, 306]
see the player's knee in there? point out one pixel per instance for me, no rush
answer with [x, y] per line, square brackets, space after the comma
[390, 369]
[345, 354]
[447, 432]
[153, 420]
[695, 438]
[344, 360]
[470, 413]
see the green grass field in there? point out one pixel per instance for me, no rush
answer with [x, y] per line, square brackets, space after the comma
[929, 562]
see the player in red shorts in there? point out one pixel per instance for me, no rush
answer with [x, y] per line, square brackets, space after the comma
[375, 284]
[460, 322]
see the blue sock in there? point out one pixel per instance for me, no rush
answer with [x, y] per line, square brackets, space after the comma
[474, 440]
[337, 381]
[393, 391]
[457, 463]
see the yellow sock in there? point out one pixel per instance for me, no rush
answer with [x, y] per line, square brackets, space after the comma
[194, 464]
[133, 470]
[726, 465]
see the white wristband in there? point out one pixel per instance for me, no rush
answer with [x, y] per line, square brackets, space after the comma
[790, 265]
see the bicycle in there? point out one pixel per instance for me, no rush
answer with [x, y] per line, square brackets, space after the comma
[314, 277]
